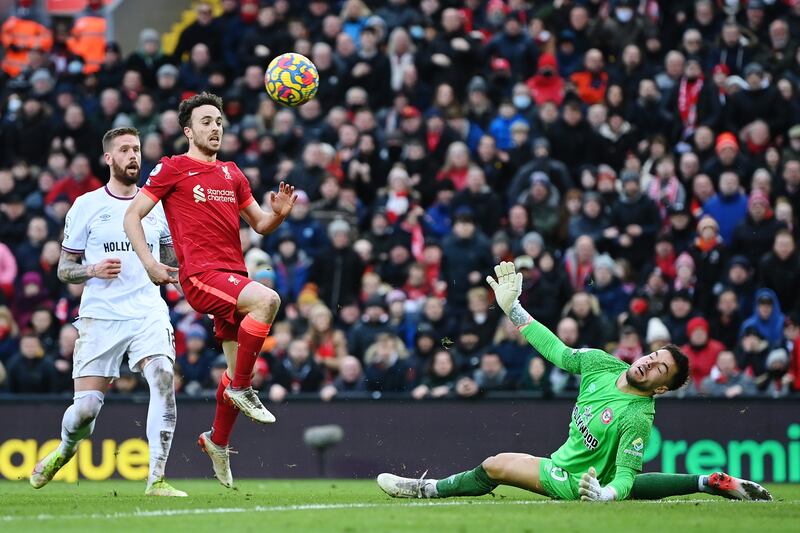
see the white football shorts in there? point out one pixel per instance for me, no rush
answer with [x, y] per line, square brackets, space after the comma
[102, 344]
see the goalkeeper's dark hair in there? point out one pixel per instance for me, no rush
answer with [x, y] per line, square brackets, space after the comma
[681, 375]
[193, 102]
[110, 135]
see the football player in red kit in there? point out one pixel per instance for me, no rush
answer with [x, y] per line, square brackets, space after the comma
[203, 199]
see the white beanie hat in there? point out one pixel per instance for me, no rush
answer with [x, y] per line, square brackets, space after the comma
[657, 331]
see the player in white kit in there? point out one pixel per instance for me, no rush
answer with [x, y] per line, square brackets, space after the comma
[121, 312]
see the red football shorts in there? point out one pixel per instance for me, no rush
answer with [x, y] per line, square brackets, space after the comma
[215, 293]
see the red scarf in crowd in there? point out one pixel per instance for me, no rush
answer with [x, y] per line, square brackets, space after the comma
[578, 273]
[667, 265]
[664, 193]
[688, 94]
[707, 245]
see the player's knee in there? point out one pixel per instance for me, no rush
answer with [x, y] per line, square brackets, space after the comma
[161, 375]
[268, 302]
[272, 300]
[494, 467]
[87, 406]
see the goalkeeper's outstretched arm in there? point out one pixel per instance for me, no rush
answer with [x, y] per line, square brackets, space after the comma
[619, 489]
[507, 289]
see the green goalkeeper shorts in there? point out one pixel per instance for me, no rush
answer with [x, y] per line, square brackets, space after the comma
[557, 482]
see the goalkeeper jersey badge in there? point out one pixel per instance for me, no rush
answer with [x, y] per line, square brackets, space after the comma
[607, 416]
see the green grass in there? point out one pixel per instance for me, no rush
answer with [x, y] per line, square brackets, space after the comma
[347, 506]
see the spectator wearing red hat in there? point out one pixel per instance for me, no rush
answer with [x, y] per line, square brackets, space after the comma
[754, 235]
[701, 349]
[546, 85]
[728, 158]
[591, 82]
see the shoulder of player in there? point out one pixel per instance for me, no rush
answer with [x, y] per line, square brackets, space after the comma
[640, 411]
[170, 168]
[600, 359]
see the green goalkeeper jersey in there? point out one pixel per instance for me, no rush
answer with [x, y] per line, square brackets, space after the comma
[608, 428]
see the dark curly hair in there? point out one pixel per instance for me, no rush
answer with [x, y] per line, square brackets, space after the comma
[191, 103]
[681, 363]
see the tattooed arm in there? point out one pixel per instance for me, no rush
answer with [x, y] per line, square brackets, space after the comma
[168, 256]
[71, 270]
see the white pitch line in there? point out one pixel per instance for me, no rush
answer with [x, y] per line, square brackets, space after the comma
[311, 507]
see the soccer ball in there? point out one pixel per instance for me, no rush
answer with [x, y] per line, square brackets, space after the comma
[291, 79]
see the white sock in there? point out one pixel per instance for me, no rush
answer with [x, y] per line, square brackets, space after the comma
[161, 414]
[429, 488]
[702, 484]
[78, 421]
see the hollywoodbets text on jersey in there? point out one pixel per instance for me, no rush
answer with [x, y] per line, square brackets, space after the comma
[121, 246]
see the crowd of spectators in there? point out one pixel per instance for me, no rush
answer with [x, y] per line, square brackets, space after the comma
[639, 161]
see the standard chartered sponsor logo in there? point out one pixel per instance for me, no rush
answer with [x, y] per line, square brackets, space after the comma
[199, 194]
[213, 195]
[221, 195]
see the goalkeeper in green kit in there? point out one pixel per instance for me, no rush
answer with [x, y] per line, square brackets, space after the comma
[610, 424]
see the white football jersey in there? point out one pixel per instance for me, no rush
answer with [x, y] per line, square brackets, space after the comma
[93, 227]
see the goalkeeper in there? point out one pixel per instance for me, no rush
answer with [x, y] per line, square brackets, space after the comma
[610, 424]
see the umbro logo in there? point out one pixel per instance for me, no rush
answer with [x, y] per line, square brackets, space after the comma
[199, 194]
[233, 279]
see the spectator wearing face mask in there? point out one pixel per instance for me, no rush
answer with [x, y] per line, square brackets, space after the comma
[776, 380]
[546, 85]
[621, 27]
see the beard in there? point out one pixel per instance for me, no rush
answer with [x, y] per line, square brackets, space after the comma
[123, 174]
[205, 147]
[633, 380]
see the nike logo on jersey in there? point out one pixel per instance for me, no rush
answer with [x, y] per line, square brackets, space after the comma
[199, 194]
[193, 173]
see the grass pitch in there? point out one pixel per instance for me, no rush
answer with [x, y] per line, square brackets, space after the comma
[349, 506]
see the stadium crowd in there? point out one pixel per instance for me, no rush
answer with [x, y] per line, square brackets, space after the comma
[639, 161]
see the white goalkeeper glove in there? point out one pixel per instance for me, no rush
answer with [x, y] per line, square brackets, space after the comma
[590, 490]
[508, 286]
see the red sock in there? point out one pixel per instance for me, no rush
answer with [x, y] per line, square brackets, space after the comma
[225, 415]
[251, 339]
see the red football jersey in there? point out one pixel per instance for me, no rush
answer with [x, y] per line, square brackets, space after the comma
[202, 203]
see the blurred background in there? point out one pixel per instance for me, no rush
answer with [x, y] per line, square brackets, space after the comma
[639, 161]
